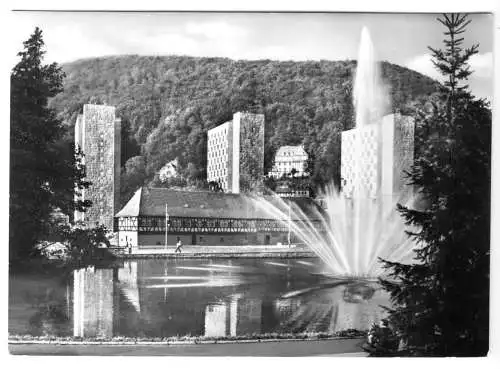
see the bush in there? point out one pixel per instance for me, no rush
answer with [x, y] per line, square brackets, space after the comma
[381, 340]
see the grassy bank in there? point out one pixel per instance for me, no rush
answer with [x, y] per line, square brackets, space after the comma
[268, 337]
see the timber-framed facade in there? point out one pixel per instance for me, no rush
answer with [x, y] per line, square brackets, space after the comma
[154, 217]
[156, 224]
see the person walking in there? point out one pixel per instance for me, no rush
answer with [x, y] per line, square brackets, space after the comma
[179, 245]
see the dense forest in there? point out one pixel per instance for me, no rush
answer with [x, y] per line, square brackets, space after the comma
[168, 103]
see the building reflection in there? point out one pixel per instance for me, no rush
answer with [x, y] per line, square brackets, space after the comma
[110, 302]
[97, 295]
[322, 311]
[93, 293]
[217, 320]
[127, 278]
[235, 316]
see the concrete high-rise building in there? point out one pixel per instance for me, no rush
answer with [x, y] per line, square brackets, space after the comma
[376, 156]
[220, 155]
[288, 158]
[235, 152]
[98, 135]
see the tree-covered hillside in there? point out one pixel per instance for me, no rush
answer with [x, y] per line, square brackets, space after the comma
[168, 103]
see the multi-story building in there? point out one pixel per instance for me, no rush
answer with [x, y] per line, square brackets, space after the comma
[98, 135]
[220, 155]
[375, 158]
[289, 158]
[235, 152]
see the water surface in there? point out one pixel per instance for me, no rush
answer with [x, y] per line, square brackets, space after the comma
[165, 298]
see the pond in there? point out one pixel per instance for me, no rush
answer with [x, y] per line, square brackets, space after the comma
[190, 297]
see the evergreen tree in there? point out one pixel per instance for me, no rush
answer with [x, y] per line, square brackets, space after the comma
[441, 302]
[43, 168]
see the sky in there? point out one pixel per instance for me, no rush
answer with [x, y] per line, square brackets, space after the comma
[398, 38]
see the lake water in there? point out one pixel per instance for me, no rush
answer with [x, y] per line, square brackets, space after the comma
[194, 297]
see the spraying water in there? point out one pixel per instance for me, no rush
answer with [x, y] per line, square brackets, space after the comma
[381, 232]
[369, 95]
[354, 230]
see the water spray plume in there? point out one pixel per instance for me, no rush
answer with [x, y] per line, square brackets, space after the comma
[369, 93]
[330, 233]
[351, 233]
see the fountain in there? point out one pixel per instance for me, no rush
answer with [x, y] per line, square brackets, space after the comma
[360, 224]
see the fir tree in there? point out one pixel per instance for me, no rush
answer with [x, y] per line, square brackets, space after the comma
[43, 169]
[441, 302]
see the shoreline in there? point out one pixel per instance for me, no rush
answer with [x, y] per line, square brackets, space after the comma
[209, 252]
[188, 340]
[208, 255]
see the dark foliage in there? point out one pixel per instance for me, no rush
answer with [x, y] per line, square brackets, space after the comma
[168, 103]
[441, 303]
[43, 167]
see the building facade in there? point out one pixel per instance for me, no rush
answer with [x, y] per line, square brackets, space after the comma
[169, 170]
[376, 156]
[98, 135]
[235, 152]
[287, 191]
[289, 158]
[202, 218]
[220, 155]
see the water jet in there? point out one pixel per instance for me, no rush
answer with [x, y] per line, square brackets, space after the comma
[360, 224]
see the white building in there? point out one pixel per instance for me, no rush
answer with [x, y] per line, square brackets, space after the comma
[375, 158]
[235, 152]
[169, 170]
[288, 158]
[219, 155]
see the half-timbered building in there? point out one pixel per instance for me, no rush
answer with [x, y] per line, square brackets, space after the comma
[202, 218]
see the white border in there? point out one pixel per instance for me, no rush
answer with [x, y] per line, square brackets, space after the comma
[256, 5]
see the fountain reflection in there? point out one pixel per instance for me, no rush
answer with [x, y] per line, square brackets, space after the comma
[330, 310]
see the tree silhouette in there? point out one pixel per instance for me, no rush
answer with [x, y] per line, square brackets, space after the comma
[441, 302]
[43, 167]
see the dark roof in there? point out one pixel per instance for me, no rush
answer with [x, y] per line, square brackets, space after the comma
[151, 202]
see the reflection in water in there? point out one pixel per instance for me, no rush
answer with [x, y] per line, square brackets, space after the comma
[161, 298]
[96, 294]
[127, 278]
[330, 310]
[234, 317]
[93, 302]
[216, 320]
[276, 264]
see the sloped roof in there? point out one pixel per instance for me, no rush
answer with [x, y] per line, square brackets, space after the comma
[133, 207]
[151, 202]
[291, 150]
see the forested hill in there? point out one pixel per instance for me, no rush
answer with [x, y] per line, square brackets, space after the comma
[168, 103]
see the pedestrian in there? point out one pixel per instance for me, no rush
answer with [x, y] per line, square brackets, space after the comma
[179, 245]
